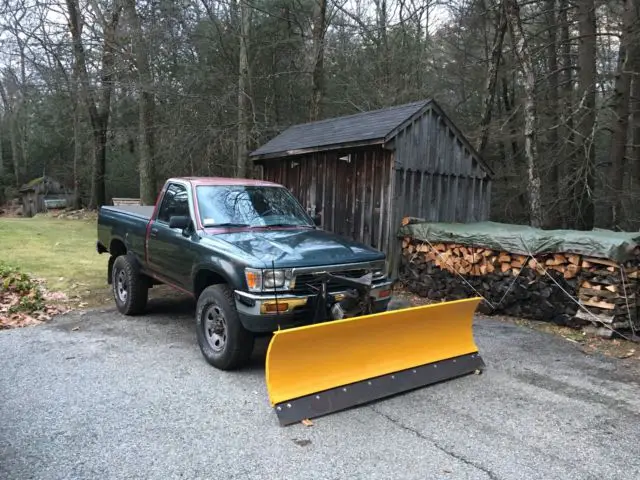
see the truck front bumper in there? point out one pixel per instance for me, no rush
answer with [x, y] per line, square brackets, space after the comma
[262, 313]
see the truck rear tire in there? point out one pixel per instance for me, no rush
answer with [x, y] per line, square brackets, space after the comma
[130, 287]
[224, 342]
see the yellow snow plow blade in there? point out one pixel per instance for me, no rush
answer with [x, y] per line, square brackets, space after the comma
[326, 367]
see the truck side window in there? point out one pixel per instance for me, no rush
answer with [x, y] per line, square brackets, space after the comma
[174, 204]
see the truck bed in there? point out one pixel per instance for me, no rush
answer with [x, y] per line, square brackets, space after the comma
[141, 211]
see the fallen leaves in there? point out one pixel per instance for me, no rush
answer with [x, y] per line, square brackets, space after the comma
[24, 301]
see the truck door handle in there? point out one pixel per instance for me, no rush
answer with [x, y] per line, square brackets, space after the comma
[154, 232]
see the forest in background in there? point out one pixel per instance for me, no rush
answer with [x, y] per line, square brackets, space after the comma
[113, 96]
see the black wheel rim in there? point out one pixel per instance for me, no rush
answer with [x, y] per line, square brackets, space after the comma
[122, 288]
[215, 328]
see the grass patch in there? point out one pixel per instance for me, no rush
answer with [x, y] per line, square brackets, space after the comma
[59, 251]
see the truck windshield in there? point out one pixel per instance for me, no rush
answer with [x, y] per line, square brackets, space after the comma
[252, 206]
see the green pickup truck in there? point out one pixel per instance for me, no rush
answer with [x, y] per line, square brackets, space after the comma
[244, 249]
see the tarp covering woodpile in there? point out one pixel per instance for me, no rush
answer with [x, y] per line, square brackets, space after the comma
[521, 239]
[574, 278]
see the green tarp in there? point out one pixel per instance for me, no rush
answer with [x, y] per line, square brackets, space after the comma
[522, 239]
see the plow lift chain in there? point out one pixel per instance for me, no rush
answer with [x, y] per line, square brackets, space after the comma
[354, 301]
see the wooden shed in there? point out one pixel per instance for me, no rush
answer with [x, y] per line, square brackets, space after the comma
[364, 172]
[44, 193]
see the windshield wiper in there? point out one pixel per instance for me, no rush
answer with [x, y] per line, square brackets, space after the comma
[287, 225]
[226, 224]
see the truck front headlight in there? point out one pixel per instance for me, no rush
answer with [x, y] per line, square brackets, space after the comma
[259, 280]
[273, 278]
[381, 271]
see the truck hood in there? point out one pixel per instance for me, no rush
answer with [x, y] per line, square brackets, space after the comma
[299, 247]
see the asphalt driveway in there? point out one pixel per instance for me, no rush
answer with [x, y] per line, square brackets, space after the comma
[97, 395]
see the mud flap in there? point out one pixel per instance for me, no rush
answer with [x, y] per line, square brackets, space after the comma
[323, 368]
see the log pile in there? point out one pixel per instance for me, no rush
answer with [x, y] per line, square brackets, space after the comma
[545, 287]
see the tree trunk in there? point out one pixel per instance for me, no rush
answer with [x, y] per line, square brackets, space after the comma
[13, 134]
[15, 150]
[1, 157]
[77, 152]
[243, 80]
[383, 48]
[508, 108]
[620, 103]
[567, 151]
[23, 113]
[99, 119]
[521, 49]
[146, 164]
[553, 107]
[77, 133]
[634, 104]
[317, 80]
[492, 78]
[635, 122]
[583, 187]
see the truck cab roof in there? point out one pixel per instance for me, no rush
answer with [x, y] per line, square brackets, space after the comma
[196, 181]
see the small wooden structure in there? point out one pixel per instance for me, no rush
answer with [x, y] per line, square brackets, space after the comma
[118, 201]
[42, 194]
[364, 172]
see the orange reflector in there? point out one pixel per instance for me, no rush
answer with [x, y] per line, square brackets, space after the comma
[253, 279]
[273, 307]
[384, 293]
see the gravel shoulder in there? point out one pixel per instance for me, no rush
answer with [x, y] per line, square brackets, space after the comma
[96, 395]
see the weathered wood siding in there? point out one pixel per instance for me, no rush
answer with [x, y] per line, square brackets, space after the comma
[353, 196]
[437, 177]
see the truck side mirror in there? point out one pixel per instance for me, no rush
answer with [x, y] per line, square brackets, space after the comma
[180, 222]
[317, 219]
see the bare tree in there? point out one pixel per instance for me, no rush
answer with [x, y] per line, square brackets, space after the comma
[492, 78]
[1, 155]
[13, 132]
[98, 113]
[243, 83]
[584, 173]
[148, 186]
[620, 102]
[635, 123]
[317, 80]
[523, 54]
[553, 110]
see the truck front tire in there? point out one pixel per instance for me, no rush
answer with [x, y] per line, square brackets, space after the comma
[130, 287]
[224, 342]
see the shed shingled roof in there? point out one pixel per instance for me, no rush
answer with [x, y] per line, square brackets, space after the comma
[366, 127]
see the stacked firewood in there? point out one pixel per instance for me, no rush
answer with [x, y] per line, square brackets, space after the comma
[546, 287]
[609, 293]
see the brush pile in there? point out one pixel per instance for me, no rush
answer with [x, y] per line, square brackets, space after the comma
[567, 288]
[24, 301]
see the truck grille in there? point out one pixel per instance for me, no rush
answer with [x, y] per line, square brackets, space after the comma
[309, 283]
